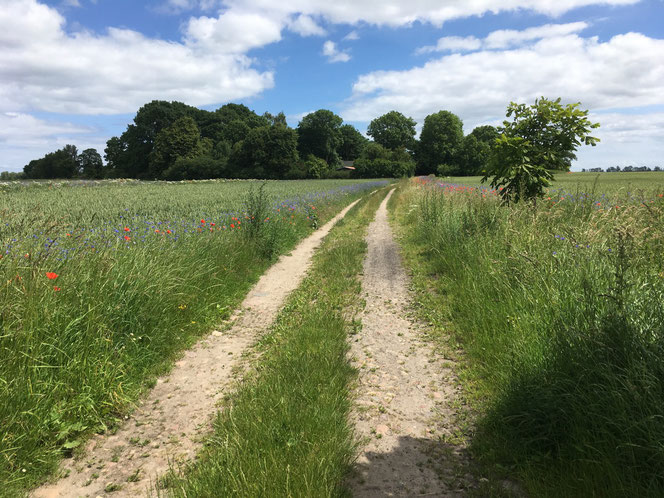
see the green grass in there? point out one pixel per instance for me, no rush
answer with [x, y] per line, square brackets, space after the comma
[559, 309]
[285, 430]
[603, 183]
[76, 350]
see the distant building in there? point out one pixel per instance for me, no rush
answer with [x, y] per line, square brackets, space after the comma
[346, 165]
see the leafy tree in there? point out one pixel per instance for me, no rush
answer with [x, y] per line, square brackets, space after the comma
[393, 131]
[440, 143]
[319, 134]
[275, 119]
[59, 164]
[378, 162]
[539, 138]
[182, 139]
[266, 152]
[352, 143]
[476, 149]
[90, 164]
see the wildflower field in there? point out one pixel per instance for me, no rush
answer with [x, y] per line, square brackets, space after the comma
[103, 283]
[559, 308]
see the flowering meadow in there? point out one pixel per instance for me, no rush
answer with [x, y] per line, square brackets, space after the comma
[103, 283]
[559, 308]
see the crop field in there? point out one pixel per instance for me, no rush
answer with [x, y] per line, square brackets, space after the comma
[559, 307]
[104, 283]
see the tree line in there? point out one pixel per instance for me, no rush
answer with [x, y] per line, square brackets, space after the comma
[175, 141]
[625, 169]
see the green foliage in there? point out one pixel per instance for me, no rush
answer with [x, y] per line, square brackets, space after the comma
[476, 150]
[182, 139]
[539, 138]
[440, 143]
[378, 162]
[393, 131]
[559, 312]
[266, 152]
[90, 164]
[352, 143]
[514, 174]
[74, 359]
[62, 163]
[319, 133]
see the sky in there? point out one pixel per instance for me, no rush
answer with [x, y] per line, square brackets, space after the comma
[76, 71]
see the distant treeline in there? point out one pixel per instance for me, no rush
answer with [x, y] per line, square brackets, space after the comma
[626, 169]
[175, 141]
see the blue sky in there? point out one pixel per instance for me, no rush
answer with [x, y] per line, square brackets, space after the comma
[76, 71]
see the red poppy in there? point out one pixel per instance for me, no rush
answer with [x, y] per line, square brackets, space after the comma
[127, 229]
[203, 221]
[56, 288]
[232, 225]
[212, 224]
[127, 237]
[51, 275]
[168, 231]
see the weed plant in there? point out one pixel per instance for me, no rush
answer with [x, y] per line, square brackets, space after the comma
[285, 430]
[559, 307]
[103, 285]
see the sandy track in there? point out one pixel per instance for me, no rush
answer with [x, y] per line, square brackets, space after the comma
[168, 425]
[404, 391]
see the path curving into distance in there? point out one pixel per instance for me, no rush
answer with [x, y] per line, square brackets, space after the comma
[404, 392]
[168, 426]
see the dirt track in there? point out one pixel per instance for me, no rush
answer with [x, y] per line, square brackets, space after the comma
[404, 391]
[168, 425]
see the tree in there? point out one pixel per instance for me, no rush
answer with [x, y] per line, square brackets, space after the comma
[59, 164]
[378, 162]
[476, 149]
[539, 138]
[352, 143]
[440, 143]
[182, 139]
[266, 152]
[90, 164]
[393, 131]
[319, 134]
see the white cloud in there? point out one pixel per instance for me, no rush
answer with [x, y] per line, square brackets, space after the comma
[24, 138]
[333, 54]
[400, 13]
[452, 44]
[352, 36]
[44, 68]
[505, 38]
[626, 71]
[306, 26]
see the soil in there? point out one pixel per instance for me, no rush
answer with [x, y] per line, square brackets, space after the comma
[168, 426]
[403, 407]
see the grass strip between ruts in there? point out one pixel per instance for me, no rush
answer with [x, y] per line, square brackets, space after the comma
[285, 431]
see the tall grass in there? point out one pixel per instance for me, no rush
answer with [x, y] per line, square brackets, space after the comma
[560, 309]
[103, 285]
[285, 431]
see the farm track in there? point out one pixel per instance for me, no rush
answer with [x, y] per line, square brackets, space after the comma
[169, 424]
[405, 391]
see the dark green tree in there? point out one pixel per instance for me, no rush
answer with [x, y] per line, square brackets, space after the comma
[319, 134]
[393, 131]
[59, 164]
[440, 144]
[476, 149]
[267, 152]
[352, 143]
[182, 139]
[90, 164]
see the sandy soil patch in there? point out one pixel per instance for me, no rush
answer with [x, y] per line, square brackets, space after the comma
[404, 394]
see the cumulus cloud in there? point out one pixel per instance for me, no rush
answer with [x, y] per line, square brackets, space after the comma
[625, 71]
[333, 54]
[44, 68]
[452, 44]
[306, 26]
[352, 36]
[400, 13]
